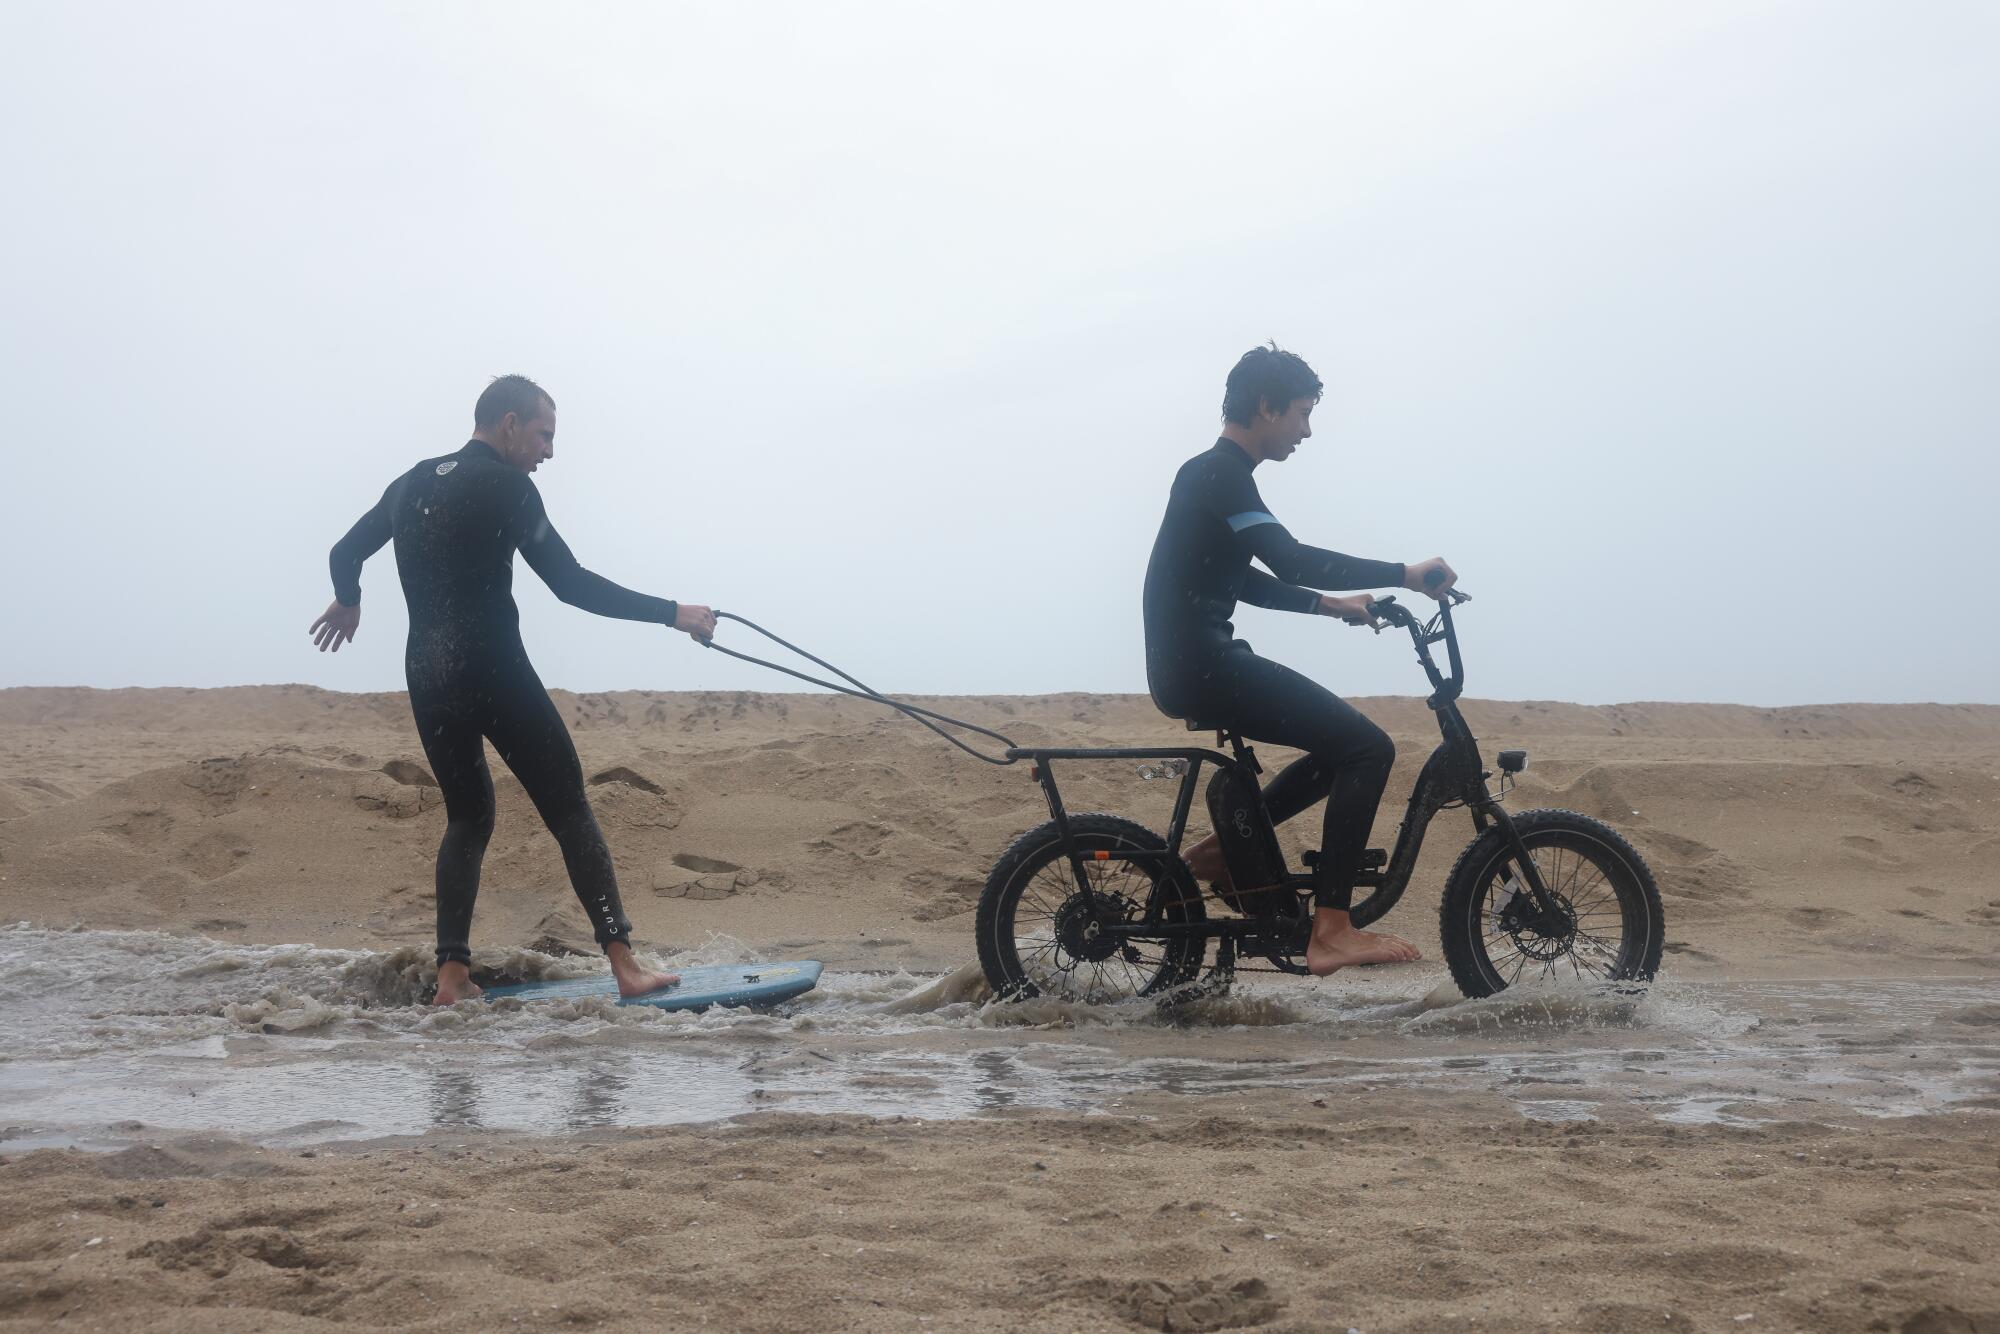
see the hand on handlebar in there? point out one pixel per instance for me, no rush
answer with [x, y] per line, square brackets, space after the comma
[1357, 610]
[1432, 577]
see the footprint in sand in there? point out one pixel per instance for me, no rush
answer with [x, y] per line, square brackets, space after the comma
[1872, 853]
[629, 778]
[1190, 1304]
[689, 875]
[693, 861]
[409, 773]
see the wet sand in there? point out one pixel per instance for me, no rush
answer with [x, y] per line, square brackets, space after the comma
[1764, 1142]
[1383, 1211]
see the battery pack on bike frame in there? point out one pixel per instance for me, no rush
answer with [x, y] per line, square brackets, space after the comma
[1249, 846]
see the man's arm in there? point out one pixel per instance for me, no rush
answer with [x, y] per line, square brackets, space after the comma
[550, 557]
[363, 540]
[1297, 563]
[1261, 590]
[1233, 498]
[338, 623]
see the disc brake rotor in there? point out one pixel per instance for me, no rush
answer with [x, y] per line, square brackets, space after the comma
[1516, 916]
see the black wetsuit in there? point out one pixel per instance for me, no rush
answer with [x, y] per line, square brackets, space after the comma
[1216, 522]
[457, 522]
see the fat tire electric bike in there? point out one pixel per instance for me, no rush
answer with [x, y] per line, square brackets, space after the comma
[1094, 907]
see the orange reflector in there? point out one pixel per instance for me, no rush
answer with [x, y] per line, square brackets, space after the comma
[1102, 856]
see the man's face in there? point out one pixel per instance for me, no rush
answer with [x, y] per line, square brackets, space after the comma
[526, 444]
[1284, 430]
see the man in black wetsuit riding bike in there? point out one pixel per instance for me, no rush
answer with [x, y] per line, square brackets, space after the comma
[457, 521]
[1216, 524]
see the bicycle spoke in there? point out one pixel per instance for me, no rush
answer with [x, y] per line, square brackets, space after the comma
[1595, 904]
[1601, 878]
[1120, 890]
[1037, 952]
[1599, 946]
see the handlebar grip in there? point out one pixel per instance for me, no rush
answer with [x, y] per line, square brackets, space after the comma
[1432, 578]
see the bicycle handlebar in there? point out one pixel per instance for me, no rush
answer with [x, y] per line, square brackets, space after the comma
[1388, 610]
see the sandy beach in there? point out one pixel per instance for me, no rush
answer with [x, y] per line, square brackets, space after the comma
[1798, 1133]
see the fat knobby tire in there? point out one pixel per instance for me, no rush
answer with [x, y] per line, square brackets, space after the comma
[1458, 925]
[1023, 857]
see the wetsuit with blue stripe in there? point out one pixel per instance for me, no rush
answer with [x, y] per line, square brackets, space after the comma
[1216, 524]
[457, 521]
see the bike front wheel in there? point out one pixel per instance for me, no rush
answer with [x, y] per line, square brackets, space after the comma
[1608, 926]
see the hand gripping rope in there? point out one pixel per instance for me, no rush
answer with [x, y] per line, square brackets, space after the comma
[860, 690]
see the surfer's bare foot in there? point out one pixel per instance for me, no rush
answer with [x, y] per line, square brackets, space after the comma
[455, 984]
[1205, 860]
[1337, 943]
[634, 978]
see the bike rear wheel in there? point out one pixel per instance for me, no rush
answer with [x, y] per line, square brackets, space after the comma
[1040, 934]
[1610, 927]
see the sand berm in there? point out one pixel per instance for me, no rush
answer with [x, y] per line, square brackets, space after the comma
[1811, 842]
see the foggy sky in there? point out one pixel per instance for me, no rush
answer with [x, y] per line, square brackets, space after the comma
[1672, 326]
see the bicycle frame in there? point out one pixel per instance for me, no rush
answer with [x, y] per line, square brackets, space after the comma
[1453, 775]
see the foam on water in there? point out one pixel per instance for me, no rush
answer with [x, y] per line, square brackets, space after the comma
[295, 1044]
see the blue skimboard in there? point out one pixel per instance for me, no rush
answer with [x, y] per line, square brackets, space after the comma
[699, 988]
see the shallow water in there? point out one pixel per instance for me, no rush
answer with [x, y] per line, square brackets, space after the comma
[110, 1036]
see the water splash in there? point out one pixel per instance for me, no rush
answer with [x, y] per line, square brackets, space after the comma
[293, 1043]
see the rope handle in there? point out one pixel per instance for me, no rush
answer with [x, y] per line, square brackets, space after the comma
[860, 690]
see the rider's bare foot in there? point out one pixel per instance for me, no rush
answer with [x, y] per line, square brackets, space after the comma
[634, 978]
[1205, 860]
[1337, 943]
[455, 984]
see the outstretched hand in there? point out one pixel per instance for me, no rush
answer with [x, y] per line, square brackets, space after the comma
[694, 619]
[336, 626]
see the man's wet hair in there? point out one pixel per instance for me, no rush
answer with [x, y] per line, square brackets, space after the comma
[510, 393]
[1267, 375]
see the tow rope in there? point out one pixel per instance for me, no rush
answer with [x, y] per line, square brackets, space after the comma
[860, 690]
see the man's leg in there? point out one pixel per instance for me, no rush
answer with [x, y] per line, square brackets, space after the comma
[531, 738]
[1347, 762]
[1358, 775]
[457, 755]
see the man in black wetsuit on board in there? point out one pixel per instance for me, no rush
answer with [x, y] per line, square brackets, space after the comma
[457, 521]
[1216, 523]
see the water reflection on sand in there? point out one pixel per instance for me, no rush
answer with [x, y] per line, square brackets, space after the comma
[114, 1034]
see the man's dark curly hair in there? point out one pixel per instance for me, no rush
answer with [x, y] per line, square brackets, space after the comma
[510, 393]
[1267, 375]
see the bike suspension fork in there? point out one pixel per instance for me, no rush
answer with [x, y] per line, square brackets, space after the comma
[1538, 892]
